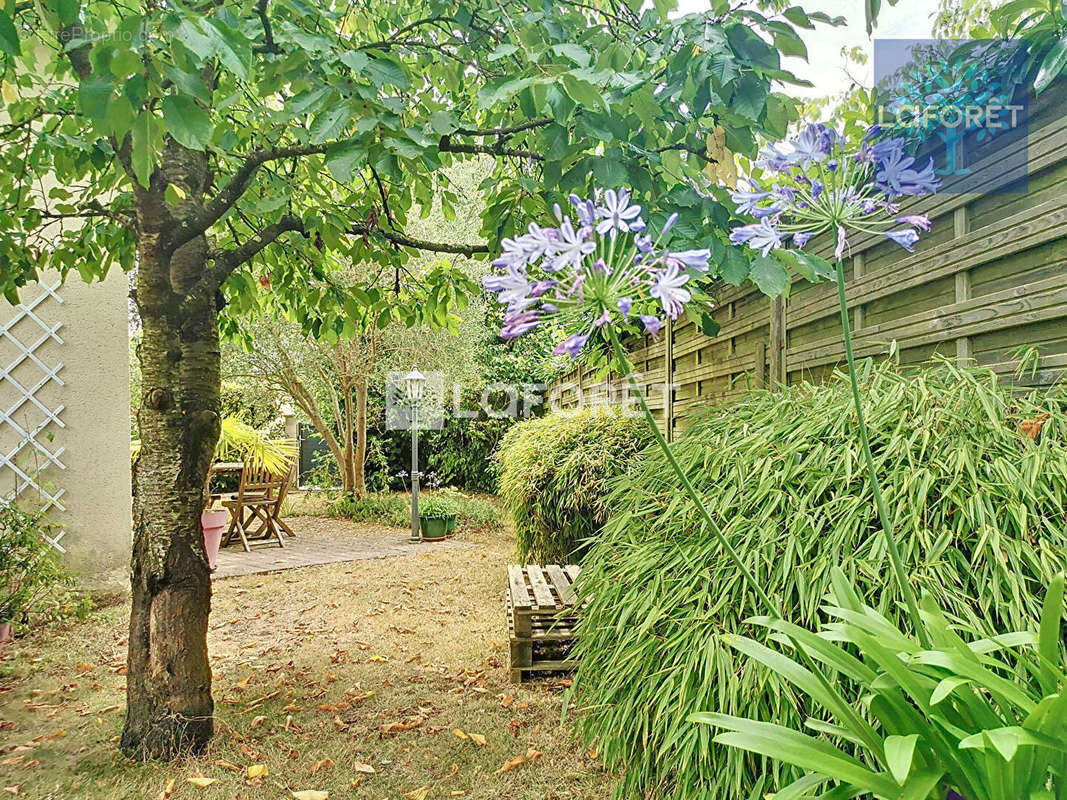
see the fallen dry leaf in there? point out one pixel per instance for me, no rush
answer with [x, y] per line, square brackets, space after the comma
[256, 722]
[324, 763]
[366, 769]
[477, 738]
[459, 733]
[200, 781]
[514, 763]
[168, 790]
[418, 794]
[311, 794]
[257, 770]
[11, 789]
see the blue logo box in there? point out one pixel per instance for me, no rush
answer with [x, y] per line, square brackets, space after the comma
[963, 103]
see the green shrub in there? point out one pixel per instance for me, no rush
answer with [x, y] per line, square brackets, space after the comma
[979, 511]
[395, 509]
[387, 509]
[553, 476]
[30, 571]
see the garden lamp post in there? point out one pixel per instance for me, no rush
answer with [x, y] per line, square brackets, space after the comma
[414, 382]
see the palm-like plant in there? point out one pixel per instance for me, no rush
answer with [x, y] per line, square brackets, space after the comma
[979, 720]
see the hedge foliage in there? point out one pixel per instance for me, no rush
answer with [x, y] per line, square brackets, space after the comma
[553, 477]
[978, 507]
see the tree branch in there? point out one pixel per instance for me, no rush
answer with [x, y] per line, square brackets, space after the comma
[227, 261]
[420, 244]
[269, 45]
[448, 146]
[525, 126]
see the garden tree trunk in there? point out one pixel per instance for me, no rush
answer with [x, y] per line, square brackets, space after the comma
[169, 705]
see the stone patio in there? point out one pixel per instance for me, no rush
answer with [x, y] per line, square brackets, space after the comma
[343, 541]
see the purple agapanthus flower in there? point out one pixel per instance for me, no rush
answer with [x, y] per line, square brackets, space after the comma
[694, 259]
[897, 176]
[596, 270]
[617, 215]
[572, 247]
[920, 221]
[572, 345]
[518, 324]
[652, 323]
[762, 236]
[906, 238]
[821, 187]
[748, 202]
[512, 287]
[669, 290]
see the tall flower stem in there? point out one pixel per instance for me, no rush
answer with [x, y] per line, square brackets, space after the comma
[876, 488]
[712, 525]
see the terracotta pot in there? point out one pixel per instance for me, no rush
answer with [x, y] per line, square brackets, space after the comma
[5, 635]
[214, 523]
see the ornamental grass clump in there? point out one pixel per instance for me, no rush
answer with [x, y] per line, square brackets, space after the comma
[977, 509]
[554, 472]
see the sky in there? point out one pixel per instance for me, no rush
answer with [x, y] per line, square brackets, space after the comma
[825, 66]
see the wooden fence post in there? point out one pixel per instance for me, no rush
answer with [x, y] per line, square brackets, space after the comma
[964, 348]
[777, 343]
[760, 372]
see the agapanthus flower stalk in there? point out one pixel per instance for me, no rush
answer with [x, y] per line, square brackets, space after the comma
[822, 187]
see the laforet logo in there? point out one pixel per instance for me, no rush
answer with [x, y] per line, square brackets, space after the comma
[951, 99]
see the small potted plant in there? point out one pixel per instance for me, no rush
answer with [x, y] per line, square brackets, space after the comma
[437, 518]
[29, 565]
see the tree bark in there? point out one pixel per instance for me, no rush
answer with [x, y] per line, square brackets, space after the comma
[169, 705]
[359, 457]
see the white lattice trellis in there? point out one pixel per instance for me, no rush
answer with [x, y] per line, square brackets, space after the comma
[29, 457]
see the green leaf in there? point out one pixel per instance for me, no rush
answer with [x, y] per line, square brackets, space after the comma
[342, 160]
[784, 744]
[583, 92]
[9, 36]
[94, 94]
[1051, 65]
[734, 267]
[330, 123]
[386, 72]
[945, 688]
[443, 123]
[1051, 620]
[899, 753]
[384, 318]
[187, 122]
[574, 52]
[769, 275]
[798, 16]
[143, 146]
[232, 47]
[502, 51]
[791, 45]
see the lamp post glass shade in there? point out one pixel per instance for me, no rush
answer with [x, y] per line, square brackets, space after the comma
[414, 383]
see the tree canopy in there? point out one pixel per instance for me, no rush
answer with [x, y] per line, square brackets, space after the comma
[328, 126]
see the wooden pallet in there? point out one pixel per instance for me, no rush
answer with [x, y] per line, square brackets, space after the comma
[541, 607]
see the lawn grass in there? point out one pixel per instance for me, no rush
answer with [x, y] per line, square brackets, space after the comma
[321, 675]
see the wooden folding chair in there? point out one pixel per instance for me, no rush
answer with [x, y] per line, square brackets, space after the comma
[254, 509]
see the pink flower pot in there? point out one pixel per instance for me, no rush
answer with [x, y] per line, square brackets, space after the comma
[5, 635]
[214, 523]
